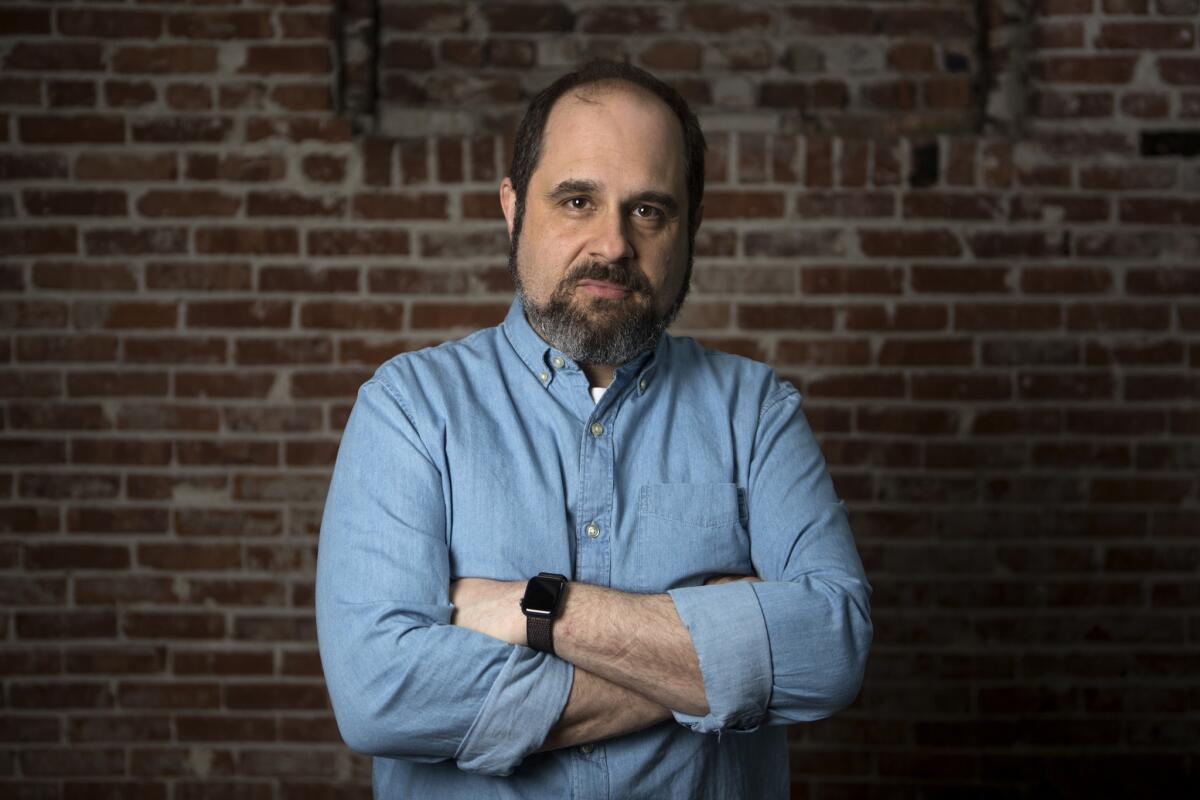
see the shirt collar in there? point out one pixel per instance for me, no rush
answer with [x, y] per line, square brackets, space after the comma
[545, 361]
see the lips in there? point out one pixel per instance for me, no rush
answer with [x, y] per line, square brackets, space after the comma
[609, 291]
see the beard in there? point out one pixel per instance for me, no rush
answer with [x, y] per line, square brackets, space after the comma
[597, 330]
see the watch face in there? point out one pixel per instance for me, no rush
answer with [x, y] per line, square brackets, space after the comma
[541, 596]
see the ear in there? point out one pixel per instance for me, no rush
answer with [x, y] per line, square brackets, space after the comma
[508, 202]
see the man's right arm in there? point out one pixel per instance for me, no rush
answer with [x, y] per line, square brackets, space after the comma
[404, 682]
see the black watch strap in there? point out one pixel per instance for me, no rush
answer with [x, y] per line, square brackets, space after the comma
[540, 633]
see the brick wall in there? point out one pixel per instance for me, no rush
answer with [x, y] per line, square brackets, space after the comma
[968, 231]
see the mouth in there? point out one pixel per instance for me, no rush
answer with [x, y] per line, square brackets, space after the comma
[604, 289]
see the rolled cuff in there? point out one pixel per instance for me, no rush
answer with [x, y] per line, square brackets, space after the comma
[524, 703]
[730, 637]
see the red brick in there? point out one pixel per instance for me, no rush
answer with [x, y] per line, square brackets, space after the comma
[528, 17]
[379, 205]
[116, 384]
[927, 352]
[109, 730]
[833, 20]
[64, 762]
[188, 97]
[1032, 244]
[221, 25]
[95, 277]
[1058, 208]
[123, 315]
[851, 280]
[1007, 317]
[936, 205]
[71, 94]
[24, 165]
[671, 54]
[239, 314]
[324, 168]
[289, 350]
[55, 56]
[1152, 36]
[16, 21]
[120, 167]
[165, 417]
[275, 696]
[186, 557]
[58, 416]
[1180, 71]
[743, 205]
[1071, 105]
[248, 241]
[784, 316]
[229, 167]
[71, 129]
[223, 662]
[1119, 317]
[165, 59]
[910, 243]
[129, 94]
[187, 203]
[66, 624]
[219, 522]
[959, 279]
[314, 97]
[175, 350]
[176, 694]
[859, 205]
[1163, 280]
[126, 589]
[348, 315]
[135, 241]
[1065, 280]
[788, 243]
[307, 25]
[281, 487]
[357, 242]
[226, 728]
[1085, 69]
[1159, 211]
[1145, 105]
[297, 59]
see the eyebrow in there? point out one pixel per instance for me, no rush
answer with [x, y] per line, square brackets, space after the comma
[572, 186]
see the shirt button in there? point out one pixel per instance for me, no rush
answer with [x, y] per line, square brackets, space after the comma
[558, 362]
[593, 530]
[644, 384]
[586, 749]
[597, 429]
[543, 376]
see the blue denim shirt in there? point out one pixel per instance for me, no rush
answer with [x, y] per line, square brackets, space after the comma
[487, 457]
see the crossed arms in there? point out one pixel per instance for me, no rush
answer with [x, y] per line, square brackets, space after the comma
[409, 679]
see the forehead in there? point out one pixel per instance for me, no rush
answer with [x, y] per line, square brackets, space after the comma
[616, 135]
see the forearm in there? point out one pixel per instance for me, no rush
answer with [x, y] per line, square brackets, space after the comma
[635, 641]
[600, 709]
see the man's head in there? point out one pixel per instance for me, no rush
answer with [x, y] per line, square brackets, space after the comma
[606, 182]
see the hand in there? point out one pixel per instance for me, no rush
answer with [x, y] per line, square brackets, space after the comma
[489, 607]
[717, 579]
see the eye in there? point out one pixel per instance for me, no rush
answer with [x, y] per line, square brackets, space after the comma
[578, 203]
[648, 212]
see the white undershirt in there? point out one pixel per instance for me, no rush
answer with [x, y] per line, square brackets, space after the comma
[597, 393]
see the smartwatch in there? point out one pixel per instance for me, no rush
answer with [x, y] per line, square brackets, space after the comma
[541, 604]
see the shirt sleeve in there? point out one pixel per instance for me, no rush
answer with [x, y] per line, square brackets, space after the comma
[792, 648]
[403, 681]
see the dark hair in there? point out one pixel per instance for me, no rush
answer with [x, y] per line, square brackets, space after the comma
[528, 146]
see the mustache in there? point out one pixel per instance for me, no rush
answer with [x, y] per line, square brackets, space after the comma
[617, 273]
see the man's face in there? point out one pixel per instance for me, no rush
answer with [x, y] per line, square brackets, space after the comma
[603, 251]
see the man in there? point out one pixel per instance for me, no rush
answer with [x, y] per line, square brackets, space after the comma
[573, 556]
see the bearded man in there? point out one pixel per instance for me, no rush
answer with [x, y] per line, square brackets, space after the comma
[573, 555]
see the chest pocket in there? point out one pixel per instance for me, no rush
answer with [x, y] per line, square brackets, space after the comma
[687, 533]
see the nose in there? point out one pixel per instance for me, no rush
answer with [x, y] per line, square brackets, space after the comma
[610, 240]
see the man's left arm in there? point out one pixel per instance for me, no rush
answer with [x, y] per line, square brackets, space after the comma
[791, 647]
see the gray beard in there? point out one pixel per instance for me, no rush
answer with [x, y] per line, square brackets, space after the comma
[613, 336]
[616, 338]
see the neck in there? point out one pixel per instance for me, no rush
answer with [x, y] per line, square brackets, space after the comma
[598, 374]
